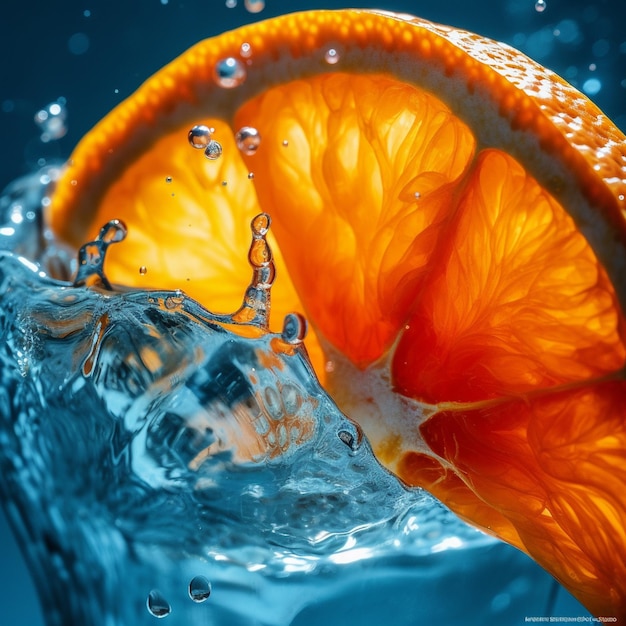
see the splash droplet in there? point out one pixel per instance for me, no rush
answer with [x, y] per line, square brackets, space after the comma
[254, 6]
[213, 150]
[331, 56]
[540, 6]
[157, 604]
[248, 140]
[199, 589]
[199, 137]
[229, 73]
[92, 254]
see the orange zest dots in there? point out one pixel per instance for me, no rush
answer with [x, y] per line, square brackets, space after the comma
[450, 217]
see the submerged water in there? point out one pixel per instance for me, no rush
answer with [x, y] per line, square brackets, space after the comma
[159, 465]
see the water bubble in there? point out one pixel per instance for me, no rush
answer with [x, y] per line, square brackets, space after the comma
[248, 140]
[592, 86]
[254, 6]
[229, 73]
[143, 270]
[250, 175]
[245, 50]
[51, 120]
[213, 150]
[540, 6]
[331, 56]
[168, 179]
[78, 43]
[231, 4]
[157, 604]
[285, 143]
[294, 328]
[199, 137]
[199, 589]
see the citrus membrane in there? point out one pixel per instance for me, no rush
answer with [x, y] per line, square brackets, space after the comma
[449, 215]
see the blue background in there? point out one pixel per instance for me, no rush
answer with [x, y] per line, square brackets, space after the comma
[94, 53]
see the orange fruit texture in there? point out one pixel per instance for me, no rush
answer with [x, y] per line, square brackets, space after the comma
[450, 217]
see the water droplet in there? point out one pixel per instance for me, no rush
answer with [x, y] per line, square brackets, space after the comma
[143, 270]
[213, 150]
[229, 73]
[157, 604]
[540, 6]
[254, 6]
[246, 50]
[250, 175]
[168, 179]
[294, 328]
[331, 56]
[199, 137]
[417, 195]
[248, 140]
[199, 589]
[231, 4]
[285, 143]
[52, 120]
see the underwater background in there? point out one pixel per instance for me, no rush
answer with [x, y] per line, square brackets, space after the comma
[93, 54]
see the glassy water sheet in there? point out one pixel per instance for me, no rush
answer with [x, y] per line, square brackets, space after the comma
[156, 465]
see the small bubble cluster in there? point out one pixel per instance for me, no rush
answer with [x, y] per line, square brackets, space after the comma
[51, 120]
[200, 138]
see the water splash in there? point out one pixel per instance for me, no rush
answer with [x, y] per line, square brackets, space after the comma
[91, 255]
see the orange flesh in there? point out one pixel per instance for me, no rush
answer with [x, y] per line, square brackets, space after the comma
[478, 298]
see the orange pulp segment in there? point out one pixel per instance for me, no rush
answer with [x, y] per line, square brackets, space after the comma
[451, 218]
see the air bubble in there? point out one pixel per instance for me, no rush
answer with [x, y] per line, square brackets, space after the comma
[285, 143]
[229, 73]
[540, 6]
[331, 56]
[158, 605]
[294, 328]
[213, 150]
[168, 179]
[199, 589]
[231, 4]
[143, 270]
[254, 6]
[51, 120]
[245, 50]
[248, 140]
[199, 137]
[250, 175]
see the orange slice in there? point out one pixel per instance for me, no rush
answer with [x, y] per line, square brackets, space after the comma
[451, 218]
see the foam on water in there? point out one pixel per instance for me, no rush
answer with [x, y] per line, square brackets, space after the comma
[161, 463]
